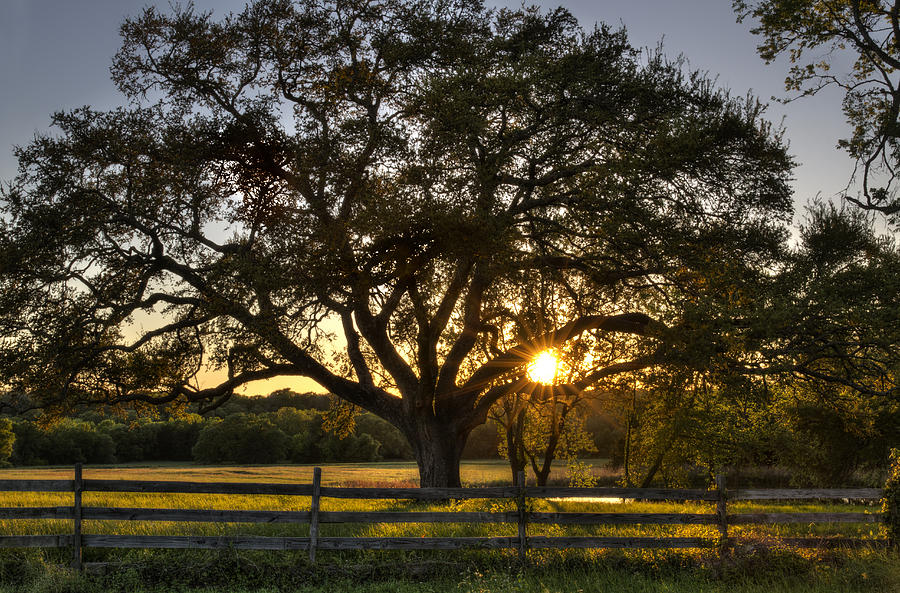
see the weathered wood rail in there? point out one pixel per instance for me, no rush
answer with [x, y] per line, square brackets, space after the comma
[522, 517]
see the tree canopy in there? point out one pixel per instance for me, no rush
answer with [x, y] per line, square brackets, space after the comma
[357, 192]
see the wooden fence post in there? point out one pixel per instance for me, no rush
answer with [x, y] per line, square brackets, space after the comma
[520, 503]
[722, 511]
[314, 513]
[78, 486]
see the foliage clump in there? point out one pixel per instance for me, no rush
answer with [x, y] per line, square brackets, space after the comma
[891, 501]
[7, 440]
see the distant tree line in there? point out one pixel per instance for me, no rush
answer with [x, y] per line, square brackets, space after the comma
[283, 427]
[660, 434]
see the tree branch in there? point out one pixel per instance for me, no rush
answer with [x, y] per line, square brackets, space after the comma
[631, 323]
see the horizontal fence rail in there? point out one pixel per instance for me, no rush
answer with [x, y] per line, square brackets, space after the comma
[195, 487]
[37, 485]
[522, 542]
[804, 494]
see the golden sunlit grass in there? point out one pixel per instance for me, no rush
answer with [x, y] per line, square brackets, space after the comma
[301, 503]
[400, 473]
[392, 474]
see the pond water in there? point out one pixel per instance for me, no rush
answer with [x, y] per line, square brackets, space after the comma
[599, 499]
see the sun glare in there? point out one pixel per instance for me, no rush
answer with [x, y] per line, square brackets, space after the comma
[543, 368]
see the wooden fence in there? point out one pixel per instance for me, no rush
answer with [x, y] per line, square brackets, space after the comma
[314, 517]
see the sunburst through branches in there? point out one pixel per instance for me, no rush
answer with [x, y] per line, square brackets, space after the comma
[544, 368]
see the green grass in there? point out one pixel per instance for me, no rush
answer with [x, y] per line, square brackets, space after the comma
[770, 569]
[255, 573]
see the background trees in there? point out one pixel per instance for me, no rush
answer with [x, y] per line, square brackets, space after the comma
[538, 431]
[810, 385]
[247, 433]
[853, 45]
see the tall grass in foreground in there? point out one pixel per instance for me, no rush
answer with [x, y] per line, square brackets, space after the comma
[231, 572]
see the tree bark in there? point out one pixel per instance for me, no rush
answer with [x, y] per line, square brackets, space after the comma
[438, 448]
[657, 463]
[542, 473]
[515, 447]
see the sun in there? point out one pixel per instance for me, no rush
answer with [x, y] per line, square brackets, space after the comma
[544, 367]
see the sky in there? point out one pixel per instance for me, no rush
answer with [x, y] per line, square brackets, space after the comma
[55, 55]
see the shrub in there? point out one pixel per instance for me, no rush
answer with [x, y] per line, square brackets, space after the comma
[293, 422]
[351, 448]
[891, 501]
[176, 438]
[483, 443]
[29, 445]
[133, 442]
[7, 440]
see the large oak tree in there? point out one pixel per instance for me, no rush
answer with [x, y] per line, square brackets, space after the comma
[351, 192]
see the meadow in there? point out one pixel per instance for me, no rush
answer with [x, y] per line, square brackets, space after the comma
[473, 473]
[765, 565]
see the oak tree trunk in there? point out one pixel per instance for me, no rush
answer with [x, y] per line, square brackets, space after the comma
[438, 450]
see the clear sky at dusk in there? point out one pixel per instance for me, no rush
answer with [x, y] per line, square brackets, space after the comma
[55, 55]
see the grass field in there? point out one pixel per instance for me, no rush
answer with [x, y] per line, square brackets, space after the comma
[475, 473]
[772, 567]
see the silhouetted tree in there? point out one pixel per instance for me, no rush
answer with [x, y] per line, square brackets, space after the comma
[380, 172]
[819, 37]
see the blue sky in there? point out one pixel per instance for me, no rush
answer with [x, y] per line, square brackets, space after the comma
[55, 54]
